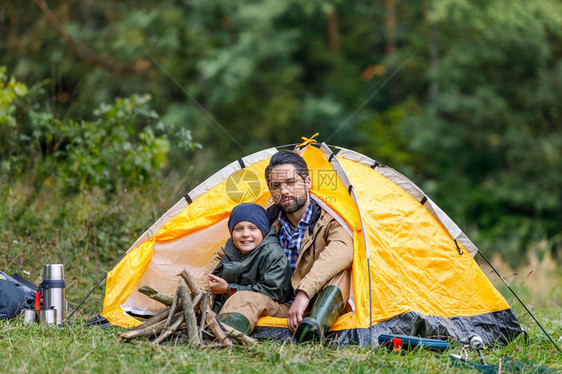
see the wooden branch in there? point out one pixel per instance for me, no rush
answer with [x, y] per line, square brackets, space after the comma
[169, 331]
[203, 315]
[193, 287]
[189, 315]
[173, 309]
[157, 295]
[240, 336]
[154, 328]
[215, 345]
[79, 51]
[217, 330]
[198, 299]
[152, 320]
[209, 318]
[181, 320]
[177, 337]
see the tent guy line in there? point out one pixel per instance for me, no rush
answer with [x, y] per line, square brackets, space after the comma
[219, 125]
[520, 301]
[346, 122]
[199, 105]
[96, 286]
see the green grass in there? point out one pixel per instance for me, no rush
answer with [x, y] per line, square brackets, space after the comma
[89, 231]
[82, 348]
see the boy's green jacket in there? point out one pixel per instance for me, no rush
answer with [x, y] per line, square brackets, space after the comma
[265, 270]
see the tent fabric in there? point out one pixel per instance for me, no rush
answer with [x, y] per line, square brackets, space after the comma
[416, 193]
[413, 269]
[497, 327]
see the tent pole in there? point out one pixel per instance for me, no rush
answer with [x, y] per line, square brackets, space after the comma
[96, 286]
[524, 306]
[370, 302]
[88, 295]
[325, 148]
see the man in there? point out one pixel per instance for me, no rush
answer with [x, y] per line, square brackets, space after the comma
[320, 253]
[319, 249]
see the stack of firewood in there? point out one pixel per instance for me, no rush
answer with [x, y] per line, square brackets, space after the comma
[188, 317]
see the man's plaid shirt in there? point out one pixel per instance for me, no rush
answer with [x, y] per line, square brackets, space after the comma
[291, 243]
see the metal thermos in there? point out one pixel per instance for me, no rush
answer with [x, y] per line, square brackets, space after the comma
[54, 290]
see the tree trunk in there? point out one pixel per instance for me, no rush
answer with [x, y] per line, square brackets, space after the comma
[390, 47]
[333, 31]
[390, 24]
[433, 46]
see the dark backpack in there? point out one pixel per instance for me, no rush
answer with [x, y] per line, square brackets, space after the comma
[16, 293]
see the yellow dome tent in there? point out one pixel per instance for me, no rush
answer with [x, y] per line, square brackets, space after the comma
[413, 269]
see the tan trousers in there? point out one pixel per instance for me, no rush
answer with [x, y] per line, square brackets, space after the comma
[343, 281]
[254, 305]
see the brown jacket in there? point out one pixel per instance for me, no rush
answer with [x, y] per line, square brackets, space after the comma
[326, 250]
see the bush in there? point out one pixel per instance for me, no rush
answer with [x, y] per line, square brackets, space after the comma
[124, 144]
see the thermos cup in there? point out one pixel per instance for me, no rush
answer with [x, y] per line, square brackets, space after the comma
[29, 315]
[48, 316]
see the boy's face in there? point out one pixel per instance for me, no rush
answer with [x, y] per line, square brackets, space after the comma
[246, 236]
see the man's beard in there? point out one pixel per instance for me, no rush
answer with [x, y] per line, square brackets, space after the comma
[296, 204]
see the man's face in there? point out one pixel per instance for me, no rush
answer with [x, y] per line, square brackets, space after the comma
[288, 189]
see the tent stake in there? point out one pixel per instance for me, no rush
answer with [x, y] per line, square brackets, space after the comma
[524, 306]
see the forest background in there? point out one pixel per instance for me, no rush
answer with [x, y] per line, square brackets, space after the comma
[110, 111]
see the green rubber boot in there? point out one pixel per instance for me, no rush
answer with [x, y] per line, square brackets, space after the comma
[237, 321]
[325, 311]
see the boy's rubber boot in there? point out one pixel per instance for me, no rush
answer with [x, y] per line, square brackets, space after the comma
[237, 321]
[325, 311]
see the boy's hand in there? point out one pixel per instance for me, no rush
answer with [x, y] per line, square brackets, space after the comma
[217, 284]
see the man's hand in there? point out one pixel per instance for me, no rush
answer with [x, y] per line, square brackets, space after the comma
[217, 284]
[297, 310]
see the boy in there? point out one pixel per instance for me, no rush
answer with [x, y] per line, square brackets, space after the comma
[251, 260]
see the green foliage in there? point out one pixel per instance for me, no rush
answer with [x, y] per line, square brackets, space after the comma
[9, 91]
[462, 97]
[119, 146]
[87, 231]
[16, 136]
[481, 135]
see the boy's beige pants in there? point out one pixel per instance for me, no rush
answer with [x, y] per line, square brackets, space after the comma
[254, 305]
